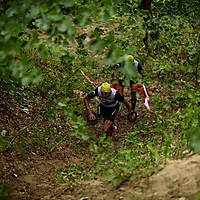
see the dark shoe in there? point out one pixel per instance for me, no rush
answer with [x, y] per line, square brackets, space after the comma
[112, 130]
[133, 116]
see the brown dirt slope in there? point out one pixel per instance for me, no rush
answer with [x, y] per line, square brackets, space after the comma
[36, 173]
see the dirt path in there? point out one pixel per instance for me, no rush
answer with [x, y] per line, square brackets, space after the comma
[179, 180]
[36, 174]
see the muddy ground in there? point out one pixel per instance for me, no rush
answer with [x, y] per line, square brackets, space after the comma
[36, 173]
[178, 180]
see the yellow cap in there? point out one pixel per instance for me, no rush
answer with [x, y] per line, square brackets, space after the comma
[105, 87]
[130, 57]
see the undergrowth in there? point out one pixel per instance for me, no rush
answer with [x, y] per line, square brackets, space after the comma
[54, 112]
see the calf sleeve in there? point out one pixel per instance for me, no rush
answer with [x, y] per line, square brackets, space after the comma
[110, 131]
[133, 103]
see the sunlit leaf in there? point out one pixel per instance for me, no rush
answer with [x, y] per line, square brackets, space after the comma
[34, 11]
[11, 11]
[97, 45]
[117, 180]
[62, 27]
[61, 104]
[26, 80]
[130, 70]
[68, 3]
[195, 141]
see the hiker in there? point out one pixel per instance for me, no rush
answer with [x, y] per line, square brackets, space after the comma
[108, 108]
[119, 84]
[133, 84]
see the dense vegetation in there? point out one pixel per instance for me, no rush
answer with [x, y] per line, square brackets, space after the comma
[45, 44]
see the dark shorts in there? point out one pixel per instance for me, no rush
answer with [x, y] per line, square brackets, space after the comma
[109, 113]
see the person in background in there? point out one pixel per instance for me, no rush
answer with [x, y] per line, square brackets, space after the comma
[133, 83]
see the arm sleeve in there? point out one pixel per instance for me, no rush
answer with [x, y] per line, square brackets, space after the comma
[120, 83]
[140, 68]
[117, 65]
[119, 97]
[93, 94]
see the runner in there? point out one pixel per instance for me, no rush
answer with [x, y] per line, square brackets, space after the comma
[109, 106]
[133, 84]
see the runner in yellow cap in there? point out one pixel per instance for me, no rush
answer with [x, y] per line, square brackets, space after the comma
[105, 87]
[108, 108]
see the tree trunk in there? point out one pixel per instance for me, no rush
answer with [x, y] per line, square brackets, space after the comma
[196, 71]
[146, 5]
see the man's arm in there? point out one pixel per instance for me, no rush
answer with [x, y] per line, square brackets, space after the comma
[132, 115]
[87, 106]
[140, 68]
[127, 105]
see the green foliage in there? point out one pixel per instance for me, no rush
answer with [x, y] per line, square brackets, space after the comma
[4, 141]
[3, 191]
[56, 21]
[197, 196]
[135, 159]
[188, 10]
[71, 173]
[154, 153]
[195, 139]
[52, 41]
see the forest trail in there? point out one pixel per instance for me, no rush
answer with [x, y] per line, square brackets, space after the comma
[37, 174]
[178, 180]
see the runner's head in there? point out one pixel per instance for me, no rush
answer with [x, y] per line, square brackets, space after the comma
[105, 89]
[130, 57]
